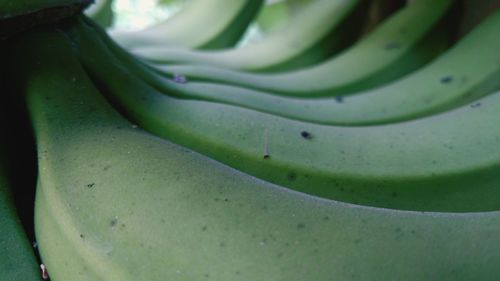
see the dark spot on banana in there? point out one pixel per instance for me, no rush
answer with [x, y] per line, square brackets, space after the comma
[446, 79]
[113, 222]
[90, 185]
[306, 135]
[292, 176]
[477, 104]
[301, 225]
[339, 99]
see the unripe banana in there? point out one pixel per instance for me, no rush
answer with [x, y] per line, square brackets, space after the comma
[305, 40]
[402, 43]
[101, 12]
[117, 204]
[202, 24]
[464, 73]
[426, 164]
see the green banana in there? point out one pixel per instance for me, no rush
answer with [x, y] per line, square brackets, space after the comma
[166, 213]
[203, 24]
[464, 73]
[18, 15]
[307, 38]
[101, 12]
[380, 57]
[275, 15]
[17, 260]
[443, 169]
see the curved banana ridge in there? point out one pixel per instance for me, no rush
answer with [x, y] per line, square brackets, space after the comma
[17, 260]
[165, 210]
[402, 43]
[101, 12]
[202, 24]
[306, 39]
[443, 169]
[466, 72]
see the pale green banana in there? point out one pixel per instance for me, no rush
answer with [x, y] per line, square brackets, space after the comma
[275, 15]
[101, 12]
[203, 24]
[309, 37]
[427, 164]
[17, 259]
[399, 45]
[117, 204]
[464, 73]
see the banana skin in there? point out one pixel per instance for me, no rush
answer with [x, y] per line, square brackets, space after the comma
[305, 40]
[200, 24]
[404, 42]
[168, 213]
[425, 164]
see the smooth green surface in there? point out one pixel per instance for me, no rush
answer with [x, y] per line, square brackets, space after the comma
[426, 164]
[205, 24]
[141, 208]
[403, 43]
[101, 12]
[467, 71]
[299, 43]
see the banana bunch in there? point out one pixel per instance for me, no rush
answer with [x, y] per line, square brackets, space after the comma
[199, 24]
[322, 28]
[348, 156]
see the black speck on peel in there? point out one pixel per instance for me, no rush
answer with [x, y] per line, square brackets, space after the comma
[446, 79]
[475, 105]
[339, 99]
[301, 225]
[90, 185]
[306, 135]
